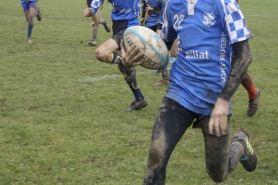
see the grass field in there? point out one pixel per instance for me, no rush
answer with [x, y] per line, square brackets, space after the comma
[62, 118]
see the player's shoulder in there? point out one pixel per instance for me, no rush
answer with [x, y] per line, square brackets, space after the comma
[230, 6]
[174, 3]
[228, 2]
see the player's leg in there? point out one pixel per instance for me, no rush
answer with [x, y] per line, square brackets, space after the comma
[158, 31]
[253, 94]
[221, 156]
[103, 21]
[165, 136]
[139, 99]
[106, 52]
[129, 75]
[29, 10]
[217, 153]
[109, 52]
[164, 72]
[95, 22]
[38, 13]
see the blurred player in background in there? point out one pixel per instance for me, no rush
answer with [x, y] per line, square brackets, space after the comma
[150, 19]
[124, 14]
[30, 10]
[152, 13]
[96, 20]
[164, 72]
[253, 93]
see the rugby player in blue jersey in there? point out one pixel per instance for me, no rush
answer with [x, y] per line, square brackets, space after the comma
[96, 20]
[202, 81]
[150, 18]
[30, 10]
[253, 93]
[124, 14]
[153, 11]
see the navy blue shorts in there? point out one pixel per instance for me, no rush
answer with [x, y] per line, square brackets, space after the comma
[119, 28]
[154, 28]
[159, 26]
[29, 4]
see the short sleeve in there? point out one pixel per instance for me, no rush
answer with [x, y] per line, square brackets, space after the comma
[235, 22]
[95, 5]
[168, 33]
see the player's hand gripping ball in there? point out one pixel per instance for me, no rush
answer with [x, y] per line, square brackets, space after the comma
[155, 52]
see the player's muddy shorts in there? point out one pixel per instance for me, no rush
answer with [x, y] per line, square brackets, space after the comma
[193, 119]
[154, 28]
[159, 26]
[119, 28]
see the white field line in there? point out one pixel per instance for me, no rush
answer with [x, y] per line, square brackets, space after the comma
[100, 78]
[62, 16]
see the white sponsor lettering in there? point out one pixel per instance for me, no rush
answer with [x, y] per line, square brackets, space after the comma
[223, 73]
[223, 45]
[197, 55]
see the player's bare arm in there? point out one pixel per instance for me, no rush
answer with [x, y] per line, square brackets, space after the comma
[240, 63]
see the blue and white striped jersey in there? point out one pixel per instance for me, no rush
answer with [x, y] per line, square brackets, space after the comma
[205, 29]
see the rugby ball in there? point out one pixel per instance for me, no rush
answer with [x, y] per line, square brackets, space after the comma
[150, 44]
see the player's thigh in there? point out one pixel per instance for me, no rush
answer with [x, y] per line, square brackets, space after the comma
[26, 14]
[104, 50]
[170, 124]
[96, 18]
[32, 10]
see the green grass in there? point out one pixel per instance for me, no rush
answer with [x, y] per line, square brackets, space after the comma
[62, 118]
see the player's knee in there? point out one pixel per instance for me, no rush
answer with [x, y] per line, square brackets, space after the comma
[30, 19]
[100, 55]
[216, 175]
[217, 178]
[156, 159]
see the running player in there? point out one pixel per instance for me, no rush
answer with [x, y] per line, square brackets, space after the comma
[96, 19]
[203, 80]
[253, 93]
[164, 72]
[124, 14]
[150, 18]
[30, 10]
